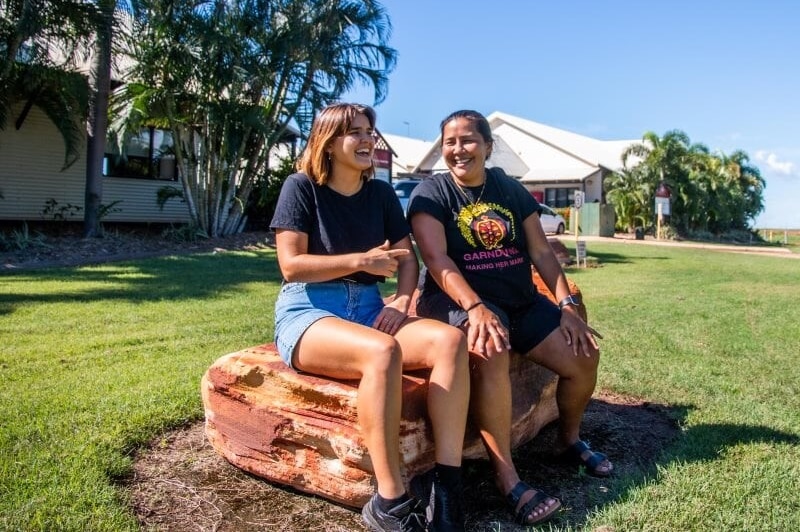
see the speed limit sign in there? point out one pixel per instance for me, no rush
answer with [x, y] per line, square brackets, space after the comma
[579, 196]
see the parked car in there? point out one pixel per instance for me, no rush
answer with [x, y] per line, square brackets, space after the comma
[403, 189]
[552, 222]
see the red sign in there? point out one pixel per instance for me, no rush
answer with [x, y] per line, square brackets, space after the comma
[382, 158]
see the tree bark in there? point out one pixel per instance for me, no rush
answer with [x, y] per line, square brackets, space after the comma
[98, 122]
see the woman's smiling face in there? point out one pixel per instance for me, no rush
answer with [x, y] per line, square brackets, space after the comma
[465, 151]
[353, 150]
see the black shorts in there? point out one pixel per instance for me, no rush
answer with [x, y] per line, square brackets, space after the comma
[528, 325]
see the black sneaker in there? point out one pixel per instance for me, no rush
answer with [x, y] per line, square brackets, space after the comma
[444, 509]
[405, 517]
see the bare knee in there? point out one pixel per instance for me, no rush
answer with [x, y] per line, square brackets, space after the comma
[580, 365]
[381, 357]
[448, 346]
[489, 370]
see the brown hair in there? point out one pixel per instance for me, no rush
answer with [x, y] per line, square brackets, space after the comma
[333, 121]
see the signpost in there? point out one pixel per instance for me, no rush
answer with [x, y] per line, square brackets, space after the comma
[580, 252]
[663, 196]
[580, 245]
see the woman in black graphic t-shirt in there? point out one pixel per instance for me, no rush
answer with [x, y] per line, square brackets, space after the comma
[479, 234]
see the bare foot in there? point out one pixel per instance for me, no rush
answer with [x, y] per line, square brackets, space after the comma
[531, 505]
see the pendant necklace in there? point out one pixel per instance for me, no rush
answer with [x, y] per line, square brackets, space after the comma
[474, 205]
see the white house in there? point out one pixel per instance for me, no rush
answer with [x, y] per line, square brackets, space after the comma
[34, 186]
[551, 162]
[408, 152]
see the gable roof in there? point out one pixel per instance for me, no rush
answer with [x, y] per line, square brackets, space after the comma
[408, 152]
[532, 151]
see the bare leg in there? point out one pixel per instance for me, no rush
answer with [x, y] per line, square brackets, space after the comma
[491, 410]
[431, 344]
[576, 383]
[341, 349]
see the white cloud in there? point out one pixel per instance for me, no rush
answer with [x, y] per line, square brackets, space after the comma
[772, 162]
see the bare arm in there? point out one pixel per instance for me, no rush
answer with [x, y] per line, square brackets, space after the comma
[543, 257]
[577, 333]
[297, 265]
[485, 334]
[407, 275]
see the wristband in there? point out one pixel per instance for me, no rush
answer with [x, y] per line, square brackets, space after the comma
[474, 305]
[569, 300]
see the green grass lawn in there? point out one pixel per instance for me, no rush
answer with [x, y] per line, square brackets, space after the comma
[96, 361]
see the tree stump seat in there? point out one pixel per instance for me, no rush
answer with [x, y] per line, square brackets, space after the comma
[302, 430]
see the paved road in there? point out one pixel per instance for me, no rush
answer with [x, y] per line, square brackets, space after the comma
[628, 239]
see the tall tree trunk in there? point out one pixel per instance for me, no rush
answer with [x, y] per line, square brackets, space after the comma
[98, 122]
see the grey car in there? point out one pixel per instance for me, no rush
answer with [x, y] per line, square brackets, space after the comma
[403, 189]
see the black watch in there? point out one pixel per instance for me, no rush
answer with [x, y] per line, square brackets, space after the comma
[569, 300]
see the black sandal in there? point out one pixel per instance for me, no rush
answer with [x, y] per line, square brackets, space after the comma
[573, 454]
[521, 515]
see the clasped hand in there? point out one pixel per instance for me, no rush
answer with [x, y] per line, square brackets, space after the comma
[486, 334]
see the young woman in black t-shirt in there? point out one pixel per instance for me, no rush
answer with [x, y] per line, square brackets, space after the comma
[338, 233]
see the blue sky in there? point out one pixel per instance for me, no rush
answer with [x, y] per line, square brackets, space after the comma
[726, 73]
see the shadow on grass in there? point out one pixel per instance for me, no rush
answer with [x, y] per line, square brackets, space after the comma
[180, 475]
[174, 278]
[708, 441]
[636, 436]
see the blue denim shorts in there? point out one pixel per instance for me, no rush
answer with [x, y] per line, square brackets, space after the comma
[527, 326]
[299, 305]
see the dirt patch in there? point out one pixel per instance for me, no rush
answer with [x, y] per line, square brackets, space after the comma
[180, 483]
[61, 245]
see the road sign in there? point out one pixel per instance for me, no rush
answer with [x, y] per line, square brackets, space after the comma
[662, 206]
[579, 197]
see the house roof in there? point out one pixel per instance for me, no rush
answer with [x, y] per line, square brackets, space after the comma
[408, 152]
[532, 151]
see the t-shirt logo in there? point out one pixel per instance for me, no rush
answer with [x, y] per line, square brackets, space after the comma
[484, 225]
[490, 230]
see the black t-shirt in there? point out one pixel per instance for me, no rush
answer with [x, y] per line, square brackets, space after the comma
[486, 241]
[337, 224]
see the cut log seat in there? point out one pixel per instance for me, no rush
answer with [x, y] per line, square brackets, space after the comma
[301, 430]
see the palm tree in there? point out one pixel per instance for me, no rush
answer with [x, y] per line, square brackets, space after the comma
[100, 77]
[630, 190]
[227, 78]
[710, 192]
[749, 185]
[41, 43]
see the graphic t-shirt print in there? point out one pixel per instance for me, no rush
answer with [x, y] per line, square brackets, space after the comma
[489, 229]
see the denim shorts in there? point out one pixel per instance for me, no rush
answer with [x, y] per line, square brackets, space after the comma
[299, 305]
[527, 325]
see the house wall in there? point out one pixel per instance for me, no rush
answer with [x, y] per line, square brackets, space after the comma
[593, 186]
[31, 161]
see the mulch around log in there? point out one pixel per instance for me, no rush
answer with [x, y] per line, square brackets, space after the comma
[180, 483]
